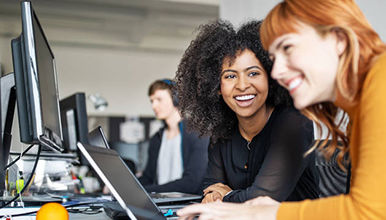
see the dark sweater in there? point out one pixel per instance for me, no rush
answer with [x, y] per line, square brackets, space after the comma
[274, 166]
[195, 159]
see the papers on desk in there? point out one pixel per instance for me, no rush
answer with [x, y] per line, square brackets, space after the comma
[18, 210]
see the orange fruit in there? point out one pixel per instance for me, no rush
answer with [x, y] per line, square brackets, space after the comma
[51, 211]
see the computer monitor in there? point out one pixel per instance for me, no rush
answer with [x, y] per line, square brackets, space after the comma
[73, 113]
[7, 104]
[36, 84]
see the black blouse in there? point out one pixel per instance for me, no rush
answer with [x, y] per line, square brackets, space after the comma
[272, 164]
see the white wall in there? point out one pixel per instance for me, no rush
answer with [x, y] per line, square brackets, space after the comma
[122, 77]
[113, 47]
[240, 11]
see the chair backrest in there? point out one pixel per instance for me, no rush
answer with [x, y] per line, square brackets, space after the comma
[332, 179]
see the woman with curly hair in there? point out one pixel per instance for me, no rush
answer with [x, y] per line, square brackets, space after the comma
[328, 56]
[258, 139]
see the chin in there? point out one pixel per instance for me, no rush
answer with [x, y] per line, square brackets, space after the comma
[301, 104]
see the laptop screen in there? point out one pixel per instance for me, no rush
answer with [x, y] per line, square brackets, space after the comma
[121, 179]
[97, 138]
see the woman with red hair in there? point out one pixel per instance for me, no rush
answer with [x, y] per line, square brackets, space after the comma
[328, 57]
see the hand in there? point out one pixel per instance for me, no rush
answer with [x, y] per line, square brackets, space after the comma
[215, 192]
[211, 197]
[262, 200]
[224, 210]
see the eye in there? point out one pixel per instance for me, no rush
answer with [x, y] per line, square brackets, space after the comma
[287, 48]
[254, 73]
[230, 76]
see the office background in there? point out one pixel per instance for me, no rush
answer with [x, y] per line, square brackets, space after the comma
[118, 47]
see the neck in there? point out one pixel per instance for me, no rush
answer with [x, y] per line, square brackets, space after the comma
[172, 124]
[343, 103]
[251, 126]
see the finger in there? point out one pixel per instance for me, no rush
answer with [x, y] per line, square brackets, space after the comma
[206, 191]
[214, 186]
[192, 210]
[205, 199]
[216, 196]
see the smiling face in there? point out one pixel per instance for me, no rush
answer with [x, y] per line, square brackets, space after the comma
[306, 64]
[162, 104]
[244, 84]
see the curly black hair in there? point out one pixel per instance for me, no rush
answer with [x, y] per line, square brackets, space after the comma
[199, 75]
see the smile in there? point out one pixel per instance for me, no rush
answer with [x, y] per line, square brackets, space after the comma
[294, 84]
[244, 97]
[244, 100]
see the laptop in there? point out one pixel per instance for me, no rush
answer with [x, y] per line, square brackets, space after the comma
[124, 186]
[97, 138]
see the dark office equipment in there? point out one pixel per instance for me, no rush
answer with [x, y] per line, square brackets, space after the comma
[75, 124]
[7, 104]
[126, 188]
[98, 138]
[36, 84]
[74, 121]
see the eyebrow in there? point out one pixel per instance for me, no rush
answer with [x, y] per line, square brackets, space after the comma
[281, 42]
[246, 69]
[228, 70]
[253, 67]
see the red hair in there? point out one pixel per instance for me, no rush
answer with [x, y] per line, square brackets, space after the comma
[363, 46]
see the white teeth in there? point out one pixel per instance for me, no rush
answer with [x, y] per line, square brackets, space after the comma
[244, 97]
[294, 83]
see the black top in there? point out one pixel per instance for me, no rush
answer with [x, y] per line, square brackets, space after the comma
[274, 166]
[195, 159]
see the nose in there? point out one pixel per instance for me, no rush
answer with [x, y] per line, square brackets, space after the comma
[154, 105]
[278, 69]
[242, 82]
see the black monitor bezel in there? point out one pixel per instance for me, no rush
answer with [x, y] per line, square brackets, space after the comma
[29, 100]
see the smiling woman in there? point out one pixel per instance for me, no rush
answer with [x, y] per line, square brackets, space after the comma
[257, 138]
[328, 55]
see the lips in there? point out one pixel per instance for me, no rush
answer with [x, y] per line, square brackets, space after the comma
[294, 83]
[244, 100]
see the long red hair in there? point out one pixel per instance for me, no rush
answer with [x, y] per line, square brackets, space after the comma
[363, 46]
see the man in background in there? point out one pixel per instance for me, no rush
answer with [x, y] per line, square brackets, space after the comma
[177, 159]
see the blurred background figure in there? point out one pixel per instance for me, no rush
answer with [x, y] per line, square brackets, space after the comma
[177, 159]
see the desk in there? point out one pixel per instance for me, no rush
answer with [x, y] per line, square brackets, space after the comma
[73, 216]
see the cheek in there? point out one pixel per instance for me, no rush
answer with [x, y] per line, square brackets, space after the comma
[262, 85]
[224, 88]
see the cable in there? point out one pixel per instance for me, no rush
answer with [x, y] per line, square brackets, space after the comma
[18, 158]
[29, 179]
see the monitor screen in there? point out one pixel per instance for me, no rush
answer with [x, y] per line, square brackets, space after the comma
[74, 120]
[36, 84]
[47, 81]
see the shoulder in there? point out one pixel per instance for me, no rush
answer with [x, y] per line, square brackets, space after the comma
[289, 114]
[377, 73]
[290, 119]
[157, 136]
[194, 140]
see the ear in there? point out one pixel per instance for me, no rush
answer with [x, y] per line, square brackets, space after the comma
[341, 40]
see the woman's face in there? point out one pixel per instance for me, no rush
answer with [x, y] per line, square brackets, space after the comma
[306, 64]
[162, 104]
[244, 84]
